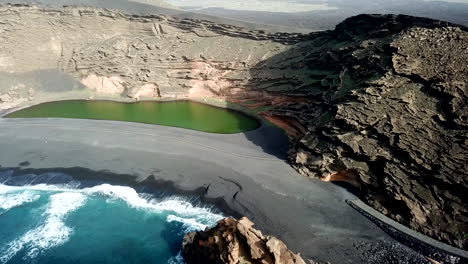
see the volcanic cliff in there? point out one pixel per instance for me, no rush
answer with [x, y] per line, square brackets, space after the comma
[380, 102]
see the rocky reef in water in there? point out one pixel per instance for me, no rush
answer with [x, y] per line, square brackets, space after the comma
[380, 102]
[234, 241]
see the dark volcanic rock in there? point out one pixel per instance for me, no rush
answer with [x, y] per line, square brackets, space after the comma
[369, 26]
[387, 112]
[233, 242]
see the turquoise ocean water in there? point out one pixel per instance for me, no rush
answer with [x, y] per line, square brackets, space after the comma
[53, 223]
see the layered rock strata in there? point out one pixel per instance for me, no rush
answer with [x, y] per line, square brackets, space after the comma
[132, 56]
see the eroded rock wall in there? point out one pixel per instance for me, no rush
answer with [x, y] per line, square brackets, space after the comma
[388, 115]
[117, 54]
[112, 53]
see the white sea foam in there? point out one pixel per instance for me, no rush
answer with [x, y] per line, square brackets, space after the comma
[14, 199]
[6, 188]
[190, 223]
[39, 187]
[53, 232]
[130, 196]
[185, 212]
[178, 259]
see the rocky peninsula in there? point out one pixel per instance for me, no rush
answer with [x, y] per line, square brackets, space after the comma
[379, 103]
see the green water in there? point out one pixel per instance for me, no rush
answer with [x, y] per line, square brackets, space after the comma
[183, 114]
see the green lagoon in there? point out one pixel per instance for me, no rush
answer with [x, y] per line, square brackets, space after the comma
[184, 114]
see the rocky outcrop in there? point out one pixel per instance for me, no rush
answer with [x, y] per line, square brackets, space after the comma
[380, 102]
[234, 241]
[389, 116]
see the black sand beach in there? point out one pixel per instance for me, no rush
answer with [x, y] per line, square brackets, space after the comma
[231, 171]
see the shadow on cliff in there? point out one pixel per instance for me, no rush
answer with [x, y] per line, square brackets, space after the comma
[301, 87]
[272, 87]
[271, 138]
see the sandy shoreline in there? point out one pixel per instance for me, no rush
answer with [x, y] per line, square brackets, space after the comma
[240, 173]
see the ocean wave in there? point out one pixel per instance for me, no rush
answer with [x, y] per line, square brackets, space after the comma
[181, 207]
[40, 187]
[65, 199]
[53, 232]
[183, 211]
[175, 204]
[189, 223]
[15, 199]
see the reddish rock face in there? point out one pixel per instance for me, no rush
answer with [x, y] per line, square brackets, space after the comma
[235, 242]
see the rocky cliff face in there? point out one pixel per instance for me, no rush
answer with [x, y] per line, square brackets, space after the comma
[380, 102]
[389, 115]
[234, 242]
[136, 56]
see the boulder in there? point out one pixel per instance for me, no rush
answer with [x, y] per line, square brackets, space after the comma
[234, 241]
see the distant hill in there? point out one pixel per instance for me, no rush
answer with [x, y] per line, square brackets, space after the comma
[324, 19]
[160, 3]
[157, 7]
